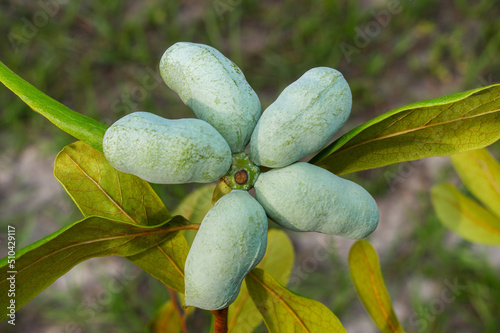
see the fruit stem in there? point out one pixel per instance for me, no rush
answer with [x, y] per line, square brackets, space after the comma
[220, 322]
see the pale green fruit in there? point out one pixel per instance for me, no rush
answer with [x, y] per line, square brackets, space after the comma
[166, 151]
[231, 241]
[214, 88]
[304, 197]
[303, 118]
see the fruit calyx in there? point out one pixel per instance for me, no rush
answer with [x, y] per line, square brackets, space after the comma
[243, 173]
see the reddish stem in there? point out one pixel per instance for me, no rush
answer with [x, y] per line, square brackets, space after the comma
[220, 322]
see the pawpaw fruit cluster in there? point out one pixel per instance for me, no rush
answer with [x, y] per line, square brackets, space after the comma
[299, 196]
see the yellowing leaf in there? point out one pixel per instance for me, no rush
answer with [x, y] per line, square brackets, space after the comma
[194, 207]
[165, 261]
[284, 311]
[436, 127]
[243, 316]
[367, 279]
[167, 319]
[480, 172]
[98, 189]
[464, 216]
[279, 258]
[220, 190]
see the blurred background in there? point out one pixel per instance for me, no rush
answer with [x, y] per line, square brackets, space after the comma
[100, 58]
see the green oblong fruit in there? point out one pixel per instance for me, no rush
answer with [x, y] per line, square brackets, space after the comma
[214, 88]
[231, 241]
[166, 151]
[304, 197]
[304, 117]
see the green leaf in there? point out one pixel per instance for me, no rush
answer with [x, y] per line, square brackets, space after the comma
[464, 216]
[167, 319]
[285, 311]
[220, 190]
[436, 127]
[194, 207]
[367, 279]
[165, 261]
[480, 172]
[243, 316]
[41, 263]
[279, 258]
[81, 127]
[98, 189]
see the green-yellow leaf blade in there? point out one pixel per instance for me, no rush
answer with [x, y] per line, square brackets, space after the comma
[165, 261]
[464, 216]
[81, 127]
[278, 261]
[367, 279]
[220, 190]
[98, 189]
[285, 311]
[436, 127]
[194, 207]
[480, 172]
[279, 258]
[167, 320]
[41, 263]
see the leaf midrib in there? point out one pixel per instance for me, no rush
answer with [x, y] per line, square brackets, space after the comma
[102, 190]
[282, 301]
[478, 222]
[172, 262]
[486, 170]
[191, 226]
[52, 253]
[376, 292]
[341, 150]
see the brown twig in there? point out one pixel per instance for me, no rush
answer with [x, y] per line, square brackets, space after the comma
[220, 322]
[177, 307]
